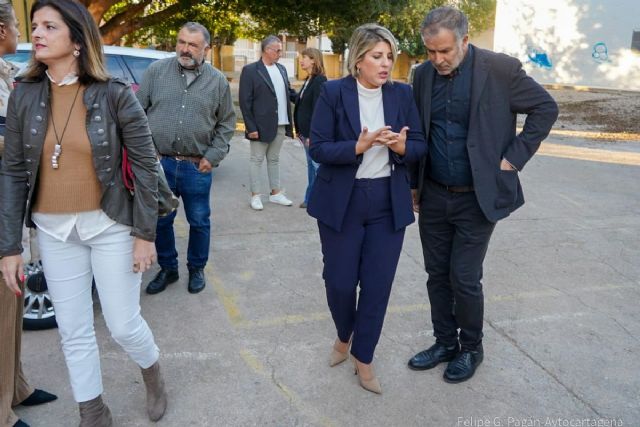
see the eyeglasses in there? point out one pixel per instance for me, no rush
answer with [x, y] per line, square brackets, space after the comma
[275, 50]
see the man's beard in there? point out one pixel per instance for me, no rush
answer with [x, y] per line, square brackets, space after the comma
[188, 61]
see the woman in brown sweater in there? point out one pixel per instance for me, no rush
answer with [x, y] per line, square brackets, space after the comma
[61, 173]
[14, 389]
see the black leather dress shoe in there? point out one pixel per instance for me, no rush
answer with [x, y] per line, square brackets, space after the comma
[163, 278]
[196, 280]
[434, 355]
[463, 366]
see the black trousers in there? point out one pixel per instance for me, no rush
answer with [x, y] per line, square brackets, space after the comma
[455, 236]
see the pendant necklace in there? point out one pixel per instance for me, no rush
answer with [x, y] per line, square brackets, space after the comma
[57, 149]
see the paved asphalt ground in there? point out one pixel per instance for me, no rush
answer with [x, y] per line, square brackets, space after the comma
[562, 325]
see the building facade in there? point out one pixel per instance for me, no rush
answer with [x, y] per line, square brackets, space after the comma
[593, 43]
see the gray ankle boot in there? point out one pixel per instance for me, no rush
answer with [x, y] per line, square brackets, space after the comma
[156, 394]
[94, 413]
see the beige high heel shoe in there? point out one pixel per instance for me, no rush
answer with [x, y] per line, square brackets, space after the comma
[372, 384]
[337, 357]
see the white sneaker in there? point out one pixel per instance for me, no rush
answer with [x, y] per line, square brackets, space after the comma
[256, 202]
[280, 199]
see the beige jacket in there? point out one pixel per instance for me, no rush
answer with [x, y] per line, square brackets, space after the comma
[7, 74]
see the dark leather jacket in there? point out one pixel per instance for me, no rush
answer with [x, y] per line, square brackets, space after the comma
[26, 127]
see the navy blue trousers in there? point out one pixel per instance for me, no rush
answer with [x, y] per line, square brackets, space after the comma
[364, 253]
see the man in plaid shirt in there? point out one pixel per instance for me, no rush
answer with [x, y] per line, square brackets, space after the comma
[191, 116]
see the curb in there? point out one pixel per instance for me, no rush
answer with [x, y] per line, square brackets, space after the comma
[579, 88]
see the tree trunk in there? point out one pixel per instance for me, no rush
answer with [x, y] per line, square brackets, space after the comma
[130, 19]
[97, 8]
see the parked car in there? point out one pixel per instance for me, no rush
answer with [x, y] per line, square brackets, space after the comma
[126, 63]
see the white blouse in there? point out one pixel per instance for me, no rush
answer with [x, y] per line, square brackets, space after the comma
[375, 161]
[59, 226]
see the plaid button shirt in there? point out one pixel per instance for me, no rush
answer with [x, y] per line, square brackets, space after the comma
[194, 119]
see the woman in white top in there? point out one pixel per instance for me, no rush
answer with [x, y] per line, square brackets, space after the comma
[364, 131]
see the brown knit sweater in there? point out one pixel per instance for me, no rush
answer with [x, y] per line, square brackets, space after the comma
[74, 186]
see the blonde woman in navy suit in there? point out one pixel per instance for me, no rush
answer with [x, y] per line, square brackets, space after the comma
[364, 131]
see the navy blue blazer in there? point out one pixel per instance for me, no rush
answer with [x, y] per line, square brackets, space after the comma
[335, 128]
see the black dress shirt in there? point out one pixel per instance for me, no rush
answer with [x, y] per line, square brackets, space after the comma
[448, 157]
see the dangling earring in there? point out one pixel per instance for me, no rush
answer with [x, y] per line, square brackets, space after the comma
[76, 53]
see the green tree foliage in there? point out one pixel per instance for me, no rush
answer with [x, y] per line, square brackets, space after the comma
[308, 18]
[156, 21]
[220, 17]
[405, 25]
[353, 14]
[276, 16]
[481, 14]
[119, 18]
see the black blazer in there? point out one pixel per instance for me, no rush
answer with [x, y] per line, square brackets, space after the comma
[304, 104]
[258, 101]
[500, 89]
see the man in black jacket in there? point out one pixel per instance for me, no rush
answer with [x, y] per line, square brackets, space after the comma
[264, 97]
[468, 99]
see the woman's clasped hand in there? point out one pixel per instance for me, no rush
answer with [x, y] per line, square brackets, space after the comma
[395, 141]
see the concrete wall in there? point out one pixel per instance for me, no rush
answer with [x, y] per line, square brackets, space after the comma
[577, 42]
[483, 40]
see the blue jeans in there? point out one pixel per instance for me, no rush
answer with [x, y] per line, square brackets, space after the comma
[194, 188]
[312, 171]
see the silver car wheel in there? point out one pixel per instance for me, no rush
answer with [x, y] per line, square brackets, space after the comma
[38, 310]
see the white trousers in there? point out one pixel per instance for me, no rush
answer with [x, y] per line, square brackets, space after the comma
[69, 267]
